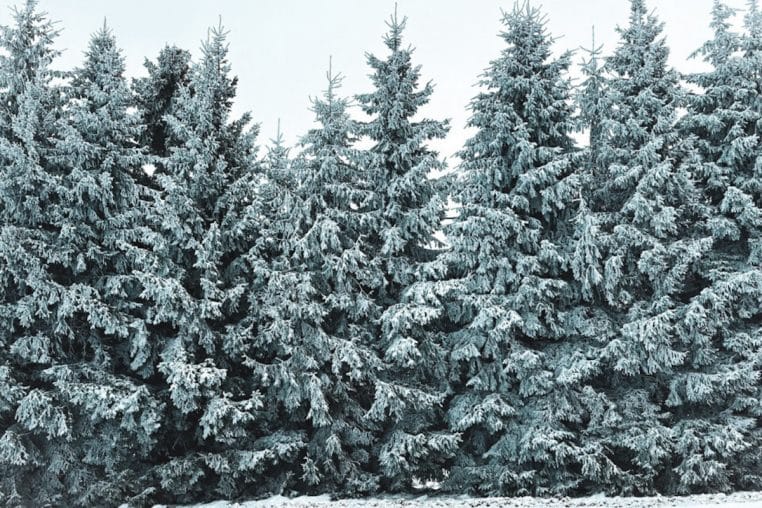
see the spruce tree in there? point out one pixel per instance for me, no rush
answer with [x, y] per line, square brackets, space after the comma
[216, 430]
[404, 212]
[522, 355]
[647, 203]
[325, 307]
[103, 245]
[34, 306]
[592, 100]
[716, 398]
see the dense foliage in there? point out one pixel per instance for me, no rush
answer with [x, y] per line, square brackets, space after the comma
[576, 308]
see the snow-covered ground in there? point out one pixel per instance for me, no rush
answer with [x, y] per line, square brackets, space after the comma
[737, 500]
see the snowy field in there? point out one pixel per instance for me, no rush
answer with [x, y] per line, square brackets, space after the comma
[737, 500]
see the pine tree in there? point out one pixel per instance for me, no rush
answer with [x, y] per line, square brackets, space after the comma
[521, 354]
[405, 211]
[716, 398]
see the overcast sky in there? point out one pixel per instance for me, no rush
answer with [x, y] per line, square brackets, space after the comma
[279, 49]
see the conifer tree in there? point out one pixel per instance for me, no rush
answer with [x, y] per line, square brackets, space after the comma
[102, 246]
[216, 430]
[404, 212]
[224, 325]
[34, 307]
[521, 354]
[649, 252]
[592, 101]
[716, 398]
[323, 278]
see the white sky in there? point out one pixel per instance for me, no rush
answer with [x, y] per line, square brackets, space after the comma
[279, 49]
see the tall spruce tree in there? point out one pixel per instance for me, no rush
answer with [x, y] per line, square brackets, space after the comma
[521, 354]
[35, 307]
[716, 398]
[216, 432]
[592, 100]
[326, 274]
[102, 246]
[644, 215]
[404, 213]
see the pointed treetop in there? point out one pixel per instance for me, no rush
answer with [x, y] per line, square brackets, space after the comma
[637, 10]
[334, 82]
[29, 42]
[525, 10]
[35, 24]
[753, 19]
[526, 33]
[29, 10]
[393, 39]
[212, 80]
[216, 41]
[720, 15]
[278, 149]
[103, 49]
[102, 37]
[718, 50]
[594, 52]
[278, 135]
[525, 14]
[276, 159]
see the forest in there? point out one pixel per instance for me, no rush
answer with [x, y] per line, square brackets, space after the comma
[574, 308]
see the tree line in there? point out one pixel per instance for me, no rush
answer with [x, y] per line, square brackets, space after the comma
[237, 324]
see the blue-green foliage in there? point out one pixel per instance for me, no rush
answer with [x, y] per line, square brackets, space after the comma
[85, 417]
[314, 310]
[157, 95]
[403, 213]
[643, 204]
[522, 354]
[217, 433]
[717, 396]
[36, 307]
[182, 319]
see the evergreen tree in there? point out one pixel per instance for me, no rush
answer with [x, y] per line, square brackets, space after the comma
[716, 398]
[649, 252]
[34, 306]
[75, 347]
[592, 101]
[215, 430]
[404, 212]
[103, 245]
[521, 354]
[231, 326]
[323, 279]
